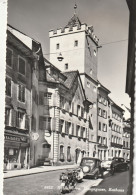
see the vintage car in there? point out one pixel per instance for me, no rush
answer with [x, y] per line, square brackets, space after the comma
[91, 167]
[106, 164]
[119, 163]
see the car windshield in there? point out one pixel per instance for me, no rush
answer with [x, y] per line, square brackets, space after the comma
[119, 159]
[88, 162]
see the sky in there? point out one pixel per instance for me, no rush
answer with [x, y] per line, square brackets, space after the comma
[110, 19]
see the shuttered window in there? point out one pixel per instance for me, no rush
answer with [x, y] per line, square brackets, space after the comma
[9, 57]
[21, 93]
[20, 120]
[8, 86]
[21, 64]
[67, 127]
[44, 123]
[72, 128]
[7, 116]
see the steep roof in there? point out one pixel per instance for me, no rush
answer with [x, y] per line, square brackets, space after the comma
[115, 105]
[74, 21]
[103, 87]
[71, 75]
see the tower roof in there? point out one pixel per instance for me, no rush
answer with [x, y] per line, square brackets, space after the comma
[74, 21]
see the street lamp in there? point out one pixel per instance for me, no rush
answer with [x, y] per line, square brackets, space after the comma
[60, 58]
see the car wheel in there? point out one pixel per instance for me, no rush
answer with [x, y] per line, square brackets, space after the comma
[112, 170]
[102, 175]
[96, 176]
[127, 168]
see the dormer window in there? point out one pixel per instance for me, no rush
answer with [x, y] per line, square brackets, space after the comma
[57, 46]
[76, 44]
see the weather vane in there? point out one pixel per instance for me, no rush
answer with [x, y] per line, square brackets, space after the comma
[75, 7]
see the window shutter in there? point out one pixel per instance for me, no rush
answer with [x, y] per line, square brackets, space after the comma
[66, 127]
[19, 92]
[27, 122]
[46, 101]
[72, 128]
[73, 107]
[23, 93]
[41, 98]
[76, 130]
[17, 119]
[13, 117]
[40, 122]
[46, 110]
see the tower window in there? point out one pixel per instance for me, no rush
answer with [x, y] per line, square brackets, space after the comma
[76, 43]
[66, 66]
[94, 52]
[57, 46]
[91, 71]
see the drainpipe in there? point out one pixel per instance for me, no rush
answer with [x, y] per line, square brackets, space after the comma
[30, 117]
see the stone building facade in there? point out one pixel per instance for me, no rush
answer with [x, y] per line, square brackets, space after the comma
[126, 139]
[58, 112]
[22, 76]
[17, 107]
[63, 116]
[79, 46]
[116, 129]
[103, 122]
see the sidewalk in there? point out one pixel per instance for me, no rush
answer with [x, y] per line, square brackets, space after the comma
[41, 169]
[91, 183]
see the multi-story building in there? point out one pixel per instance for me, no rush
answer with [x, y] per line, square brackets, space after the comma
[103, 122]
[126, 139]
[58, 113]
[63, 115]
[116, 129]
[22, 75]
[79, 46]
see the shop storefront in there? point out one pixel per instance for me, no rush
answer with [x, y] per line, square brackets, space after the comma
[16, 151]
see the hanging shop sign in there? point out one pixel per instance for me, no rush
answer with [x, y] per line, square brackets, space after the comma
[15, 138]
[34, 136]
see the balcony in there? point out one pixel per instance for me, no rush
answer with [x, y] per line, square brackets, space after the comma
[125, 147]
[116, 145]
[102, 145]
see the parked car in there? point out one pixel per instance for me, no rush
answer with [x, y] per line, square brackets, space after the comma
[106, 164]
[128, 162]
[119, 163]
[91, 167]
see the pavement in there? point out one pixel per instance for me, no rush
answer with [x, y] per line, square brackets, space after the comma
[36, 170]
[92, 183]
